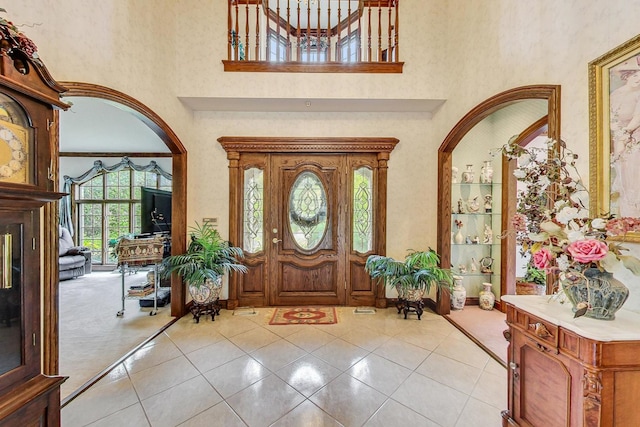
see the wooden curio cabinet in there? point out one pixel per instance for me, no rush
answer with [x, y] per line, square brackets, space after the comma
[28, 97]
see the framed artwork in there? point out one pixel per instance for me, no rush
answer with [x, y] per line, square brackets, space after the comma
[614, 128]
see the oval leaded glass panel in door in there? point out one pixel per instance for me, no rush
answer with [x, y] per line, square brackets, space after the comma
[308, 210]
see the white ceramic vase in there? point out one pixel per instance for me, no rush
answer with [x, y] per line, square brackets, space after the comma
[468, 175]
[458, 294]
[486, 173]
[486, 298]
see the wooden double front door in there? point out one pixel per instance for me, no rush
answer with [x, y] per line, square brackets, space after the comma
[307, 218]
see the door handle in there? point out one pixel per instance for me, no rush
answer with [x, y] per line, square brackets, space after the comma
[276, 240]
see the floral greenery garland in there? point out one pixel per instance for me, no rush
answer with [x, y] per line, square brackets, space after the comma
[552, 222]
[12, 38]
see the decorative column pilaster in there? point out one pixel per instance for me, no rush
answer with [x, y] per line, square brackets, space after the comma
[381, 221]
[234, 230]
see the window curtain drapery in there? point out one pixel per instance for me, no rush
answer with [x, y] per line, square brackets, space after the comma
[99, 167]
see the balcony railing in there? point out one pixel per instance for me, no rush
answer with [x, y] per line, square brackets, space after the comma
[313, 36]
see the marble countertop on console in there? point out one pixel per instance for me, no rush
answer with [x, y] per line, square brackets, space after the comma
[625, 326]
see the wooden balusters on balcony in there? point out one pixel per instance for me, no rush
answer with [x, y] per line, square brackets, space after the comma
[329, 26]
[313, 36]
[257, 55]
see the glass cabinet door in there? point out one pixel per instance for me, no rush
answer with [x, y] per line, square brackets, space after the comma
[10, 297]
[18, 344]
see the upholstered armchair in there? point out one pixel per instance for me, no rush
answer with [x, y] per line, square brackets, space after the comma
[73, 261]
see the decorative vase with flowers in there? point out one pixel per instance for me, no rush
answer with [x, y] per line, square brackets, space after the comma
[553, 225]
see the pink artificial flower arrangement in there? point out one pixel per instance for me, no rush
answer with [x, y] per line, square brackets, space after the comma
[586, 251]
[581, 243]
[552, 223]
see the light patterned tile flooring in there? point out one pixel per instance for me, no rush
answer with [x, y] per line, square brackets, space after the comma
[369, 369]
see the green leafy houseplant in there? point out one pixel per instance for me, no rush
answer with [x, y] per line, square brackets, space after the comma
[535, 275]
[207, 259]
[419, 270]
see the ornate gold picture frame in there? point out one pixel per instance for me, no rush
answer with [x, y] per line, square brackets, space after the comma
[614, 133]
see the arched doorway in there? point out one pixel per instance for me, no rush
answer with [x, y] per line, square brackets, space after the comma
[179, 207]
[548, 93]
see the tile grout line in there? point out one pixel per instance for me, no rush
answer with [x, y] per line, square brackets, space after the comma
[337, 334]
[111, 367]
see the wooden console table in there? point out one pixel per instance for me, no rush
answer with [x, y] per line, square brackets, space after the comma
[570, 372]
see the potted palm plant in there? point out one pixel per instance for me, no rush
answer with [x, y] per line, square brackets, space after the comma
[207, 259]
[412, 278]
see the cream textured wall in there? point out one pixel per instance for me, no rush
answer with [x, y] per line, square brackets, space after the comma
[202, 51]
[460, 50]
[502, 44]
[128, 46]
[509, 44]
[408, 195]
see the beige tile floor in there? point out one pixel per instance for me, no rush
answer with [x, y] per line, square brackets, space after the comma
[369, 369]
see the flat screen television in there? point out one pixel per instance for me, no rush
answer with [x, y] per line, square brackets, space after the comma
[155, 211]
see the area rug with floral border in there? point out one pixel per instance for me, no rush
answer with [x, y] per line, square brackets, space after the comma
[304, 315]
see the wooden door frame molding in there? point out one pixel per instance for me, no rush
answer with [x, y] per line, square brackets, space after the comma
[179, 209]
[236, 145]
[257, 144]
[550, 93]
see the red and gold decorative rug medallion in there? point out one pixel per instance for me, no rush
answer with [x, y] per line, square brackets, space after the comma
[304, 315]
